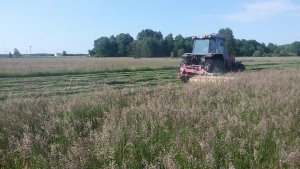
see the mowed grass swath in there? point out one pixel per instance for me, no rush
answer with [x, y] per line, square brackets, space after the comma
[251, 122]
[64, 85]
[67, 76]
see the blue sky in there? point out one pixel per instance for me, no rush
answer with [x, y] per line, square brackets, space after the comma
[73, 25]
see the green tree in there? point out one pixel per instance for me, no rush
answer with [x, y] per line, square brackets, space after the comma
[149, 43]
[262, 48]
[113, 46]
[230, 41]
[248, 47]
[257, 53]
[148, 47]
[271, 47]
[179, 44]
[148, 33]
[295, 48]
[169, 44]
[91, 52]
[283, 52]
[124, 42]
[102, 47]
[180, 52]
[17, 53]
[239, 45]
[188, 44]
[64, 53]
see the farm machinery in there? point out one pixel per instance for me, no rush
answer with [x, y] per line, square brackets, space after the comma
[209, 58]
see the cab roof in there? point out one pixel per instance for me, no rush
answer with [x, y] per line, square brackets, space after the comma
[209, 36]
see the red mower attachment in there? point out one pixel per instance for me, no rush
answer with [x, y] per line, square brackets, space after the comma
[188, 71]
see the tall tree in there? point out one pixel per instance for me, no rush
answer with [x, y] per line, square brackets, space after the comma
[17, 53]
[148, 33]
[124, 42]
[64, 53]
[238, 46]
[149, 43]
[102, 47]
[271, 47]
[230, 41]
[91, 52]
[295, 48]
[179, 45]
[169, 44]
[113, 46]
[188, 44]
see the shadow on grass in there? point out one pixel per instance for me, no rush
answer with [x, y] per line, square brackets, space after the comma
[114, 82]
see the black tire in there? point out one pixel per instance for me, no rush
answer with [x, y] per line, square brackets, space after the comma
[217, 66]
[207, 65]
[239, 67]
[242, 68]
[184, 79]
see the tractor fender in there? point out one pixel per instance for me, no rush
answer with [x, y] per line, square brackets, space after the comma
[230, 61]
[187, 55]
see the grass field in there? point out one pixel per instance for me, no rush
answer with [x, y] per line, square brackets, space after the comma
[28, 67]
[19, 67]
[135, 113]
[34, 77]
[261, 63]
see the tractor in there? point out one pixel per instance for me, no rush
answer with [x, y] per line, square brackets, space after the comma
[209, 57]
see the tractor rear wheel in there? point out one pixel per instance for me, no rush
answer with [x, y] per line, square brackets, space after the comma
[184, 79]
[241, 68]
[238, 67]
[217, 66]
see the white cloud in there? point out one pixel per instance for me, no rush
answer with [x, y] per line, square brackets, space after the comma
[264, 10]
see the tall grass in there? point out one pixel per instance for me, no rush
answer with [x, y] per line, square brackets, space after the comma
[26, 67]
[252, 122]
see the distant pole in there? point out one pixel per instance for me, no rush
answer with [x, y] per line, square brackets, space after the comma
[30, 50]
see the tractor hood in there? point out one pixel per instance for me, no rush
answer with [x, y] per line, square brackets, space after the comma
[191, 54]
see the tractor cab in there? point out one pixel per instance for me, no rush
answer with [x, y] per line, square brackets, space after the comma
[209, 45]
[206, 47]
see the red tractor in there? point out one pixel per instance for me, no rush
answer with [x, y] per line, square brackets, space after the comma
[209, 57]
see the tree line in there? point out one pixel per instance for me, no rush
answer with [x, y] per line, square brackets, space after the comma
[150, 43]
